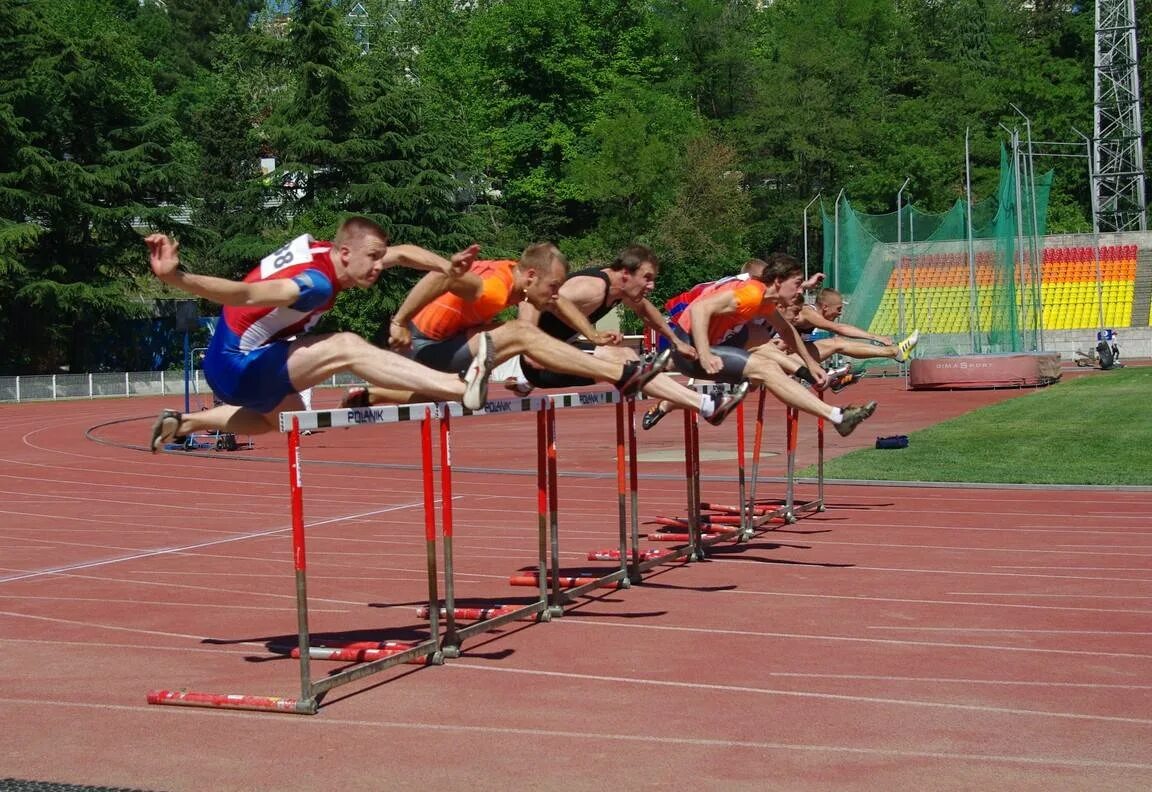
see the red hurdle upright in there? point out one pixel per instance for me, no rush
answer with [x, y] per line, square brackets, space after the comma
[375, 659]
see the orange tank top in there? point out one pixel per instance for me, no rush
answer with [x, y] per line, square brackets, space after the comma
[450, 315]
[750, 304]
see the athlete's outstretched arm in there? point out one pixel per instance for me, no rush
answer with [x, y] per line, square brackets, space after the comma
[654, 319]
[701, 311]
[416, 257]
[570, 314]
[164, 258]
[810, 315]
[791, 336]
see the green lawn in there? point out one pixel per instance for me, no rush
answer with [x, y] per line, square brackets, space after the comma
[1094, 429]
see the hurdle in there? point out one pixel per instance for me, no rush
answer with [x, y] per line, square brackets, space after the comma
[708, 523]
[788, 508]
[376, 658]
[555, 590]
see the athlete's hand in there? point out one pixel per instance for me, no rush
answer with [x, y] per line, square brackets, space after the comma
[819, 378]
[399, 337]
[462, 261]
[607, 338]
[711, 363]
[687, 350]
[813, 282]
[885, 340]
[163, 255]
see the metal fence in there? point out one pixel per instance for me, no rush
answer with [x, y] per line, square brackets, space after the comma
[50, 387]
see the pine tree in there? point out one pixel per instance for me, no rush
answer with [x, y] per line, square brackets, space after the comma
[91, 164]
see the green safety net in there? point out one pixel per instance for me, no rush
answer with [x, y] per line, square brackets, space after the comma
[968, 292]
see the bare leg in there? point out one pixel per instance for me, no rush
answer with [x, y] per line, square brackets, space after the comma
[314, 359]
[861, 350]
[518, 337]
[661, 386]
[238, 420]
[762, 369]
[393, 396]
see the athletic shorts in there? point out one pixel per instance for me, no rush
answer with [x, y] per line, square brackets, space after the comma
[543, 378]
[451, 355]
[817, 335]
[734, 359]
[257, 380]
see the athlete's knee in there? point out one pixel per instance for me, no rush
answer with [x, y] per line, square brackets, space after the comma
[615, 354]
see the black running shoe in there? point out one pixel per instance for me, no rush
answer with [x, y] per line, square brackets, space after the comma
[726, 404]
[165, 428]
[854, 415]
[356, 397]
[652, 416]
[637, 375]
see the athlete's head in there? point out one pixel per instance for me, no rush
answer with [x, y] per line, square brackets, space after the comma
[783, 274]
[358, 249]
[541, 273]
[753, 267]
[791, 311]
[830, 304]
[639, 268]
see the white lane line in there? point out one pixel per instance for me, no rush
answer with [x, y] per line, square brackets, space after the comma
[604, 737]
[959, 680]
[857, 639]
[862, 598]
[185, 548]
[165, 603]
[999, 574]
[746, 689]
[118, 628]
[1069, 595]
[1010, 630]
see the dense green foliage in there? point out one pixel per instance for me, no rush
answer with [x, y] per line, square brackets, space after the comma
[1089, 430]
[699, 127]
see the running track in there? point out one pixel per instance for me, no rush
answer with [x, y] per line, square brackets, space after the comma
[908, 638]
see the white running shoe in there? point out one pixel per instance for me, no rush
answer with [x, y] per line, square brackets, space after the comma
[476, 378]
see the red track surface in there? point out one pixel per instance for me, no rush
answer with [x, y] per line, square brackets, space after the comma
[915, 638]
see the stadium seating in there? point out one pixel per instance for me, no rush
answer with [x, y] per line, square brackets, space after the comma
[937, 291]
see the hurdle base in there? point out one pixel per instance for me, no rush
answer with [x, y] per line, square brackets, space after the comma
[237, 701]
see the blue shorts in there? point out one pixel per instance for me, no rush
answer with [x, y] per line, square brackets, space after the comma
[817, 335]
[257, 380]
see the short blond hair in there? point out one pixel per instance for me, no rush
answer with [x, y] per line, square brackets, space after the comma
[542, 256]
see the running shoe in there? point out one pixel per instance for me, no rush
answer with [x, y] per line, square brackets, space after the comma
[905, 347]
[637, 375]
[521, 387]
[841, 378]
[476, 378]
[652, 416]
[165, 428]
[356, 397]
[726, 404]
[854, 415]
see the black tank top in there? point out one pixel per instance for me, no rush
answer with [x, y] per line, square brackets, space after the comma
[551, 324]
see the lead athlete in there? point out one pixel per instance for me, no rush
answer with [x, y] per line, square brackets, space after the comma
[261, 358]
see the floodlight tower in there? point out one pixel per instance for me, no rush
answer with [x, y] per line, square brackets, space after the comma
[1118, 181]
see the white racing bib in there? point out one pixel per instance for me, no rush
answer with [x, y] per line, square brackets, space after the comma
[298, 251]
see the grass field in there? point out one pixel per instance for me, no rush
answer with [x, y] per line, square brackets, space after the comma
[1090, 430]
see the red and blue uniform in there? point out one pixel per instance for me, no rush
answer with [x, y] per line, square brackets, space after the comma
[247, 359]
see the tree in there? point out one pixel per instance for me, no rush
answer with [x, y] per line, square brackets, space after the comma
[92, 161]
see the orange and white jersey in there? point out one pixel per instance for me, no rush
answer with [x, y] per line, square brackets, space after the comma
[450, 315]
